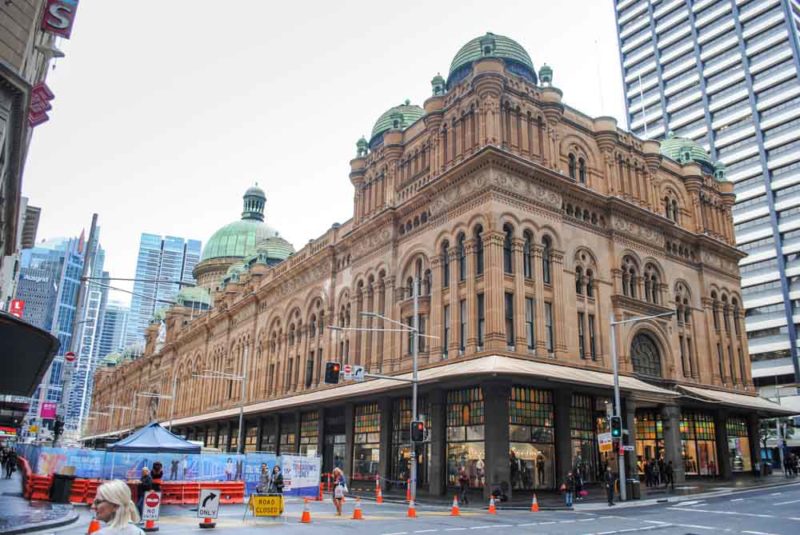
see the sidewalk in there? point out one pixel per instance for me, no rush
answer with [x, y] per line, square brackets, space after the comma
[18, 515]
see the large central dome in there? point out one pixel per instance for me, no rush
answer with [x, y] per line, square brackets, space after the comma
[491, 46]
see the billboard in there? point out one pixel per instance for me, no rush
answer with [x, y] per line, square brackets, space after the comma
[59, 15]
[17, 308]
[48, 410]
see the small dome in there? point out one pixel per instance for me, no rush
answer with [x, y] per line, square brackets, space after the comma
[491, 46]
[684, 150]
[255, 191]
[399, 117]
[194, 297]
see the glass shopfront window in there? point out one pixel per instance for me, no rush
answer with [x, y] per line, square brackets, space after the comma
[649, 438]
[251, 437]
[739, 444]
[309, 433]
[268, 439]
[465, 436]
[582, 433]
[201, 436]
[234, 444]
[366, 441]
[531, 438]
[698, 444]
[400, 468]
[222, 439]
[288, 437]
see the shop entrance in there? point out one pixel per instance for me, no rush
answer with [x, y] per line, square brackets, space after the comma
[334, 445]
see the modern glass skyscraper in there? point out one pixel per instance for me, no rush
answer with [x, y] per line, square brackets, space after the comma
[726, 73]
[112, 333]
[162, 263]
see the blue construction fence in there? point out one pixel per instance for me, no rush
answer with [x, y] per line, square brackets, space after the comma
[301, 474]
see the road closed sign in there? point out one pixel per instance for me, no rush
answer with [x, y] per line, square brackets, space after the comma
[271, 505]
[151, 505]
[208, 506]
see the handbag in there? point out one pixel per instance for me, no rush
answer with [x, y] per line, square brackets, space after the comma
[583, 493]
[563, 487]
[338, 492]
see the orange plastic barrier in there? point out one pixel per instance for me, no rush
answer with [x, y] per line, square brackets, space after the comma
[232, 491]
[78, 492]
[91, 490]
[40, 487]
[191, 493]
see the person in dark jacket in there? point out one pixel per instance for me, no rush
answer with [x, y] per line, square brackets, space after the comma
[669, 476]
[145, 484]
[463, 485]
[569, 489]
[276, 482]
[608, 479]
[157, 474]
[11, 463]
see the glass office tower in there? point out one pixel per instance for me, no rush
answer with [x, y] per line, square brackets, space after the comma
[726, 73]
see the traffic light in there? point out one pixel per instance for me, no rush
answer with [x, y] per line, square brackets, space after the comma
[616, 427]
[332, 372]
[417, 431]
[58, 428]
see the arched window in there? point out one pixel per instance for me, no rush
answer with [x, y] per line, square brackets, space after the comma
[726, 318]
[526, 254]
[462, 257]
[629, 275]
[736, 317]
[410, 287]
[582, 171]
[508, 254]
[478, 236]
[651, 284]
[715, 309]
[645, 356]
[547, 249]
[572, 165]
[312, 326]
[589, 283]
[579, 280]
[426, 282]
[675, 210]
[445, 264]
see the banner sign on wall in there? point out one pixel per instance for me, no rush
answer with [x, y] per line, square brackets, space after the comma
[48, 410]
[59, 15]
[300, 475]
[17, 308]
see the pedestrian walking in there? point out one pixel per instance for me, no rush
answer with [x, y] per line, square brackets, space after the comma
[113, 506]
[609, 479]
[11, 463]
[463, 484]
[145, 484]
[263, 480]
[669, 473]
[339, 489]
[276, 481]
[569, 489]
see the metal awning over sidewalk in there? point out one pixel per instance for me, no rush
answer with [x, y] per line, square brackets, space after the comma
[762, 406]
[482, 366]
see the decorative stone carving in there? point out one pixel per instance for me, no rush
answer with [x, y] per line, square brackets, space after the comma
[636, 231]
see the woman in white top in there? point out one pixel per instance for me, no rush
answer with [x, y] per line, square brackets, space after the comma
[114, 507]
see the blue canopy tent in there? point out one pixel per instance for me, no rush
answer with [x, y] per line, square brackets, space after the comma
[153, 438]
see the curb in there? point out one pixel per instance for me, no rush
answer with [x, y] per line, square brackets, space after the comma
[44, 526]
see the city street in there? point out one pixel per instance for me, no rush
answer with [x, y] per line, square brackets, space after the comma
[756, 512]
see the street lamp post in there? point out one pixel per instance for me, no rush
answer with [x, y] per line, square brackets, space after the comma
[617, 407]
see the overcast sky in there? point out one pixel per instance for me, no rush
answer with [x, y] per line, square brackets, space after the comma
[167, 110]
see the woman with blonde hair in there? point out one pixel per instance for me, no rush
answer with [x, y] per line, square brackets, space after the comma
[113, 506]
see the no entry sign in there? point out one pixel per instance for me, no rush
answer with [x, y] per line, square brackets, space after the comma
[151, 505]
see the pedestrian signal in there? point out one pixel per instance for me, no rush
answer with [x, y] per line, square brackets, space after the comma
[616, 427]
[332, 372]
[417, 431]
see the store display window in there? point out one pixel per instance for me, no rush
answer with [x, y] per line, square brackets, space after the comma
[739, 444]
[531, 438]
[698, 444]
[366, 441]
[465, 436]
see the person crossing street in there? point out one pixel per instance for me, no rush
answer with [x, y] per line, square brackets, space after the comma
[609, 479]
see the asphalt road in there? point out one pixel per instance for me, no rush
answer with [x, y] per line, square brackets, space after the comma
[774, 511]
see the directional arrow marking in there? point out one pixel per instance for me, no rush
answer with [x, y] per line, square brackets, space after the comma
[210, 498]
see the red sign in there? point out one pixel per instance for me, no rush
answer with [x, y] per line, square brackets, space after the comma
[151, 499]
[48, 410]
[40, 104]
[17, 308]
[59, 16]
[69, 356]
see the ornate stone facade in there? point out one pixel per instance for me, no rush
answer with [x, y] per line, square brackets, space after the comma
[529, 225]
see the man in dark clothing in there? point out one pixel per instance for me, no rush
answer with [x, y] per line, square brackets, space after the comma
[11, 463]
[609, 480]
[669, 475]
[463, 483]
[173, 469]
[145, 484]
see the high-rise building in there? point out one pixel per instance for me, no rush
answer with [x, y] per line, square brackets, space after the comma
[162, 264]
[726, 74]
[112, 334]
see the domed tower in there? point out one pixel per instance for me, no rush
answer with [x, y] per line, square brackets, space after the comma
[396, 118]
[236, 241]
[491, 45]
[684, 150]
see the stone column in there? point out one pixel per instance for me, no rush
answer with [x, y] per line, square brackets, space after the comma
[438, 462]
[559, 304]
[671, 418]
[384, 465]
[562, 402]
[388, 337]
[436, 309]
[520, 340]
[541, 342]
[494, 291]
[754, 435]
[721, 436]
[472, 300]
[455, 309]
[495, 399]
[320, 431]
[349, 421]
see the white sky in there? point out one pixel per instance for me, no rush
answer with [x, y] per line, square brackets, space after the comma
[167, 110]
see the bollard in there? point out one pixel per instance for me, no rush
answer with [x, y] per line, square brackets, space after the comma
[207, 523]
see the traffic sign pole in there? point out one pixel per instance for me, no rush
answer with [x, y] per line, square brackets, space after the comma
[150, 509]
[208, 507]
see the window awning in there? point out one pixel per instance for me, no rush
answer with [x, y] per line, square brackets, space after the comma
[741, 401]
[481, 366]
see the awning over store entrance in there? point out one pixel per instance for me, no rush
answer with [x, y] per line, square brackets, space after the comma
[482, 367]
[26, 352]
[760, 405]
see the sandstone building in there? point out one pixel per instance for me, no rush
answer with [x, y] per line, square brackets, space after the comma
[530, 225]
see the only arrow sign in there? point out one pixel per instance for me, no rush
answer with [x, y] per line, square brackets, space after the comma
[209, 498]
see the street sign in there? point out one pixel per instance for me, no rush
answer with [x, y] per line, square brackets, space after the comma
[628, 447]
[208, 505]
[353, 372]
[266, 505]
[604, 442]
[151, 505]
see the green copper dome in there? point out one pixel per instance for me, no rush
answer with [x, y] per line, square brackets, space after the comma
[194, 296]
[684, 150]
[399, 117]
[491, 46]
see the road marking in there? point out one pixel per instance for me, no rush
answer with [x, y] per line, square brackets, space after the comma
[657, 522]
[690, 502]
[546, 523]
[605, 532]
[586, 520]
[757, 532]
[737, 500]
[787, 503]
[456, 529]
[426, 531]
[776, 494]
[566, 522]
[397, 533]
[532, 524]
[721, 512]
[483, 527]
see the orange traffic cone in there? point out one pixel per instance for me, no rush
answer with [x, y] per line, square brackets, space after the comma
[305, 518]
[378, 495]
[321, 488]
[534, 504]
[492, 508]
[454, 510]
[357, 511]
[94, 525]
[207, 523]
[412, 511]
[149, 526]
